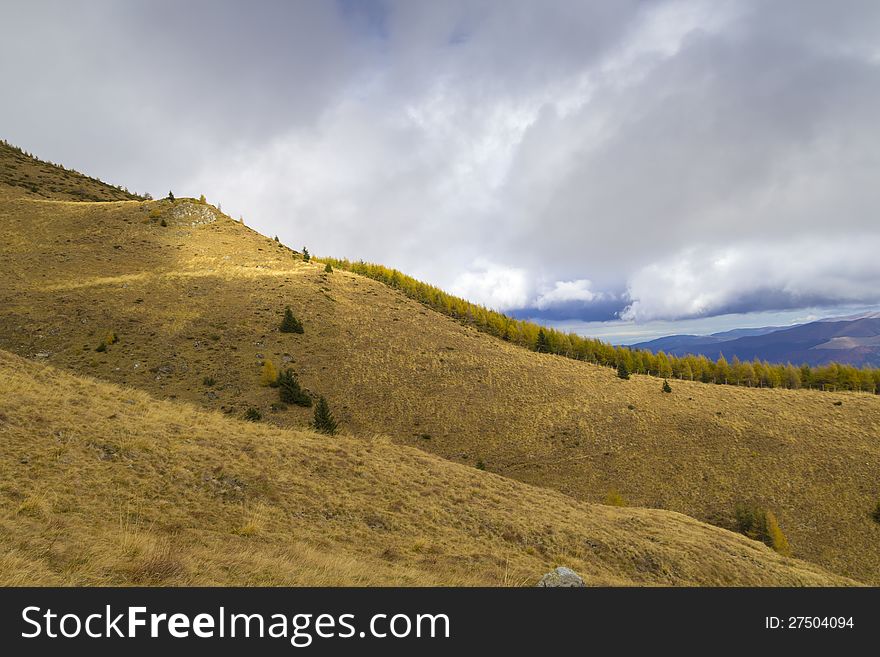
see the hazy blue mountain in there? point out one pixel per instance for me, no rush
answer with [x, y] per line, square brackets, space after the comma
[854, 340]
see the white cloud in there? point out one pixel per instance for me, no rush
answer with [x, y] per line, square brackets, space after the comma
[495, 286]
[565, 292]
[799, 273]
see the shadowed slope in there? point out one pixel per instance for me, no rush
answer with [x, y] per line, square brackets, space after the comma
[103, 485]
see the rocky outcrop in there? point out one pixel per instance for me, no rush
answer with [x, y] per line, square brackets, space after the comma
[193, 214]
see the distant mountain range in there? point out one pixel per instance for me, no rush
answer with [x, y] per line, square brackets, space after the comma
[854, 339]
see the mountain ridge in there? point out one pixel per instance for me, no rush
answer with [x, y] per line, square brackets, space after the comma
[857, 343]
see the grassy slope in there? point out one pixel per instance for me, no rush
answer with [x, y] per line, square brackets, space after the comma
[106, 485]
[191, 301]
[36, 178]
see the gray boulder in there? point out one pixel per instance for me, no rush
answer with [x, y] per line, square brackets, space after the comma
[562, 576]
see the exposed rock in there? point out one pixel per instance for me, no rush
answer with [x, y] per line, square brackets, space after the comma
[193, 214]
[561, 577]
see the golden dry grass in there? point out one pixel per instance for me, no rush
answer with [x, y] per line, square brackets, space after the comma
[103, 485]
[31, 177]
[195, 301]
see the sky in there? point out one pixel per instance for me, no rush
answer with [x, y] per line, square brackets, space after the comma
[624, 169]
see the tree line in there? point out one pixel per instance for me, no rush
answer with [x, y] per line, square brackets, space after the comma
[755, 373]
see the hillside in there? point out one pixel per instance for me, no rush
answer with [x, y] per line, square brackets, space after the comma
[203, 296]
[30, 176]
[106, 485]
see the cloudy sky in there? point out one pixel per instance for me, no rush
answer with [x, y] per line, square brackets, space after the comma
[625, 169]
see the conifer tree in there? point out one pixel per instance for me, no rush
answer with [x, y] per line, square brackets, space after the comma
[324, 422]
[328, 269]
[666, 386]
[291, 324]
[170, 195]
[775, 538]
[306, 256]
[289, 390]
[542, 344]
[622, 370]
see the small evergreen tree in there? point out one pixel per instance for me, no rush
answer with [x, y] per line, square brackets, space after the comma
[276, 239]
[289, 390]
[291, 324]
[170, 195]
[328, 269]
[875, 514]
[202, 199]
[666, 386]
[622, 370]
[324, 422]
[542, 344]
[269, 375]
[306, 256]
[253, 415]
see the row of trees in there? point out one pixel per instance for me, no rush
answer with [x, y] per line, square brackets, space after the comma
[834, 376]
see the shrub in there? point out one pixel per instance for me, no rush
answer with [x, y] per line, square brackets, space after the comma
[253, 415]
[761, 525]
[480, 464]
[328, 269]
[202, 199]
[306, 256]
[666, 387]
[209, 381]
[163, 223]
[622, 370]
[111, 338]
[324, 422]
[101, 347]
[269, 375]
[291, 324]
[875, 514]
[289, 390]
[613, 498]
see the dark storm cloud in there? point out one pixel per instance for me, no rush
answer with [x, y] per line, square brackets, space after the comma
[561, 159]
